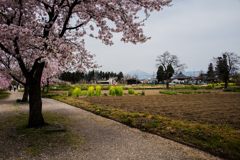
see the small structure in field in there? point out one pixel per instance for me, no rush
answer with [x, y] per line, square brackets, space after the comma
[110, 81]
[181, 78]
[133, 81]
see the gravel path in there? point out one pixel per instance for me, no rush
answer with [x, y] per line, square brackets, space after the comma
[105, 139]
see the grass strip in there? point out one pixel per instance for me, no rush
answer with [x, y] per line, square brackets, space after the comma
[4, 94]
[172, 92]
[221, 141]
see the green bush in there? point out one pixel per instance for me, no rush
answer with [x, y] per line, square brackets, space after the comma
[98, 90]
[136, 93]
[112, 91]
[90, 91]
[116, 91]
[84, 93]
[131, 91]
[119, 91]
[76, 92]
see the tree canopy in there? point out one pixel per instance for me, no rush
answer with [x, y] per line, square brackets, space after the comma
[226, 66]
[167, 65]
[75, 77]
[34, 33]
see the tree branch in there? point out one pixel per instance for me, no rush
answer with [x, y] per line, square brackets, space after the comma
[16, 79]
[35, 65]
[19, 58]
[80, 25]
[5, 49]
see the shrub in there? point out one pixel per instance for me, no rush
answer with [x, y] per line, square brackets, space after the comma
[131, 91]
[84, 93]
[112, 91]
[136, 93]
[119, 91]
[76, 92]
[143, 93]
[98, 90]
[116, 91]
[210, 86]
[90, 91]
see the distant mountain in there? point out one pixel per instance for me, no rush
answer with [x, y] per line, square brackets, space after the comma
[144, 75]
[192, 73]
[140, 74]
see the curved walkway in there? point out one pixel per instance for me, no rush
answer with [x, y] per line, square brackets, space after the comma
[105, 139]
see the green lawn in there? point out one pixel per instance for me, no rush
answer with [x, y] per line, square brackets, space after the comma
[31, 142]
[4, 94]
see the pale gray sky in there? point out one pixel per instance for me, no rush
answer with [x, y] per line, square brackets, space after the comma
[194, 30]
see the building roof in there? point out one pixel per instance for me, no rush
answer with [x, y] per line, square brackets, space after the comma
[181, 76]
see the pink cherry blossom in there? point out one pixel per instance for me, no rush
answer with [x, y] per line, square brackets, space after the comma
[4, 81]
[35, 33]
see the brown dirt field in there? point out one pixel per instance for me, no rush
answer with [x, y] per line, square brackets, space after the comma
[220, 109]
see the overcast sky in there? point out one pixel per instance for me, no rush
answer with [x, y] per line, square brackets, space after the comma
[194, 30]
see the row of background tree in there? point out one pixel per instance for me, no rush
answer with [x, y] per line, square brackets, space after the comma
[91, 76]
[225, 68]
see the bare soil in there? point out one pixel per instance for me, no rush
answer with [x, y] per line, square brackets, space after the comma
[220, 109]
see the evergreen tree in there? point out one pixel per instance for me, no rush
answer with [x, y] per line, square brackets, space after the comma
[168, 64]
[160, 74]
[169, 71]
[210, 73]
[222, 69]
[119, 76]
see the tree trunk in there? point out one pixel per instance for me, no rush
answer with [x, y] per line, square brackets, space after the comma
[167, 84]
[226, 84]
[25, 94]
[47, 85]
[35, 102]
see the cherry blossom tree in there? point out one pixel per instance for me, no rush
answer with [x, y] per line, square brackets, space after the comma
[5, 81]
[37, 32]
[51, 71]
